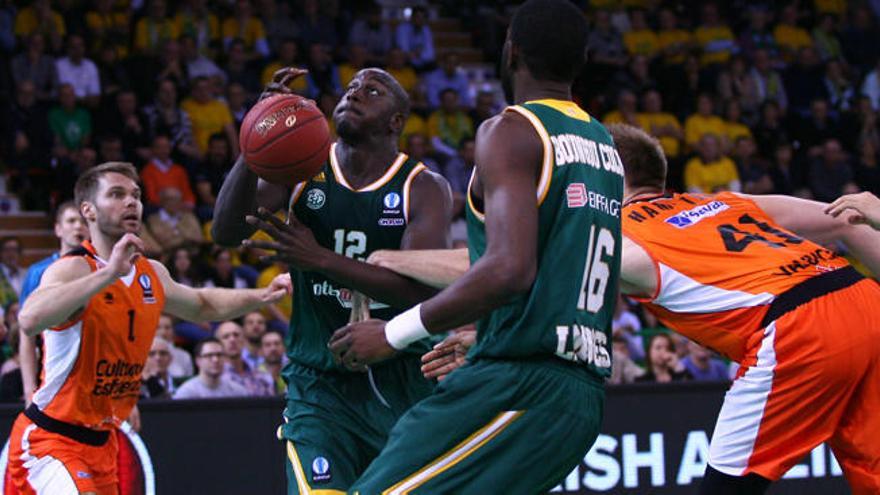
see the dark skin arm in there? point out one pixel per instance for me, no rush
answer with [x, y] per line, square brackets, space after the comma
[508, 155]
[428, 228]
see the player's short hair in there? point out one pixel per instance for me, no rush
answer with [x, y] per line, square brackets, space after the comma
[63, 207]
[552, 38]
[87, 184]
[197, 352]
[644, 163]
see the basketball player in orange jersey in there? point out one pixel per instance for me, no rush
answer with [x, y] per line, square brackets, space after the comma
[737, 273]
[101, 304]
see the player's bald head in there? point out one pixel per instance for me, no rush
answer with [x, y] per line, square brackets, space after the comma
[401, 98]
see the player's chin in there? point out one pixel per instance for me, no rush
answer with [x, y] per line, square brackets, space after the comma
[131, 226]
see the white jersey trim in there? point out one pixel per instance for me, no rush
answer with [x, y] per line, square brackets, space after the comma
[682, 294]
[62, 350]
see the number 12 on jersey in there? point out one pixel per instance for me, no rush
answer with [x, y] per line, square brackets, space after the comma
[596, 270]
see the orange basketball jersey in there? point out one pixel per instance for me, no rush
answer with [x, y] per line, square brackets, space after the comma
[92, 364]
[720, 261]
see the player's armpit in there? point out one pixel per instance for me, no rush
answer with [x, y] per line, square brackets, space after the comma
[435, 267]
[430, 213]
[638, 272]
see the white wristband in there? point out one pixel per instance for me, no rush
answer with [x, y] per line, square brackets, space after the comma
[406, 328]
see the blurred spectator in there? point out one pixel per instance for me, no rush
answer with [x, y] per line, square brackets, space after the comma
[860, 40]
[181, 362]
[41, 18]
[757, 36]
[637, 77]
[871, 86]
[415, 38]
[278, 22]
[10, 263]
[237, 99]
[171, 65]
[397, 67]
[373, 34]
[803, 81]
[70, 123]
[449, 124]
[274, 355]
[253, 326]
[663, 365]
[419, 112]
[838, 86]
[662, 125]
[208, 115]
[767, 84]
[288, 56]
[790, 37]
[256, 383]
[153, 30]
[357, 60]
[681, 86]
[27, 131]
[673, 41]
[702, 366]
[816, 129]
[770, 130]
[8, 297]
[110, 148]
[210, 173]
[108, 28]
[458, 171]
[161, 173]
[417, 148]
[11, 383]
[243, 25]
[211, 382]
[323, 76]
[705, 121]
[197, 64]
[785, 179]
[80, 72]
[238, 70]
[222, 273]
[626, 111]
[641, 39]
[36, 66]
[173, 224]
[826, 40]
[753, 170]
[7, 27]
[165, 117]
[861, 124]
[710, 171]
[183, 269]
[623, 369]
[735, 83]
[447, 76]
[315, 27]
[626, 325]
[734, 128]
[830, 174]
[195, 21]
[605, 43]
[715, 38]
[111, 72]
[867, 171]
[157, 382]
[130, 124]
[485, 107]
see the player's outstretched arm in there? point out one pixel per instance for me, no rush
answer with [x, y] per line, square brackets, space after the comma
[241, 194]
[808, 219]
[69, 283]
[435, 267]
[214, 304]
[865, 205]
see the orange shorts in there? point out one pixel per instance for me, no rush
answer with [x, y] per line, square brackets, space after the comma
[42, 462]
[816, 379]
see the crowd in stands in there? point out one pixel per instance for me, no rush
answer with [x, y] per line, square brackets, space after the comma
[759, 97]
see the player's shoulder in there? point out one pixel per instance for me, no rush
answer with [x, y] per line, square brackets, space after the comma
[509, 134]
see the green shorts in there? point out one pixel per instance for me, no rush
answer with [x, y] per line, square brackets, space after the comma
[337, 422]
[492, 427]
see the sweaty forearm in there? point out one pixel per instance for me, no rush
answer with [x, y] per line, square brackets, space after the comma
[224, 304]
[237, 198]
[864, 243]
[434, 267]
[51, 306]
[377, 283]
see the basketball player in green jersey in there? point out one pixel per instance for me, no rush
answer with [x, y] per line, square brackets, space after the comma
[367, 197]
[544, 239]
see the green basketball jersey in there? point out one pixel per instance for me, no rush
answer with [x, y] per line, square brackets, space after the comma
[354, 223]
[568, 311]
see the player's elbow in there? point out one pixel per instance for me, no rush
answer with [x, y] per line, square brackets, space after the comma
[27, 322]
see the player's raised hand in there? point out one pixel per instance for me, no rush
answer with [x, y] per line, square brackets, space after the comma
[281, 80]
[866, 208]
[293, 243]
[124, 253]
[448, 355]
[361, 344]
[279, 287]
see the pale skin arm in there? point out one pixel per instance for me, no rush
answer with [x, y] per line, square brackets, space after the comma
[808, 219]
[865, 205]
[437, 268]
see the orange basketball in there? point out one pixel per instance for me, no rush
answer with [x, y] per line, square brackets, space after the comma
[285, 139]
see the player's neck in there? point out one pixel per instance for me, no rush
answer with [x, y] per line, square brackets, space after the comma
[630, 195]
[527, 88]
[366, 161]
[103, 245]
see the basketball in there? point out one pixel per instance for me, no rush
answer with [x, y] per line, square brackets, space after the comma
[285, 139]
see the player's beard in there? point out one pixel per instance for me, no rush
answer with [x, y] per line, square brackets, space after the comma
[348, 132]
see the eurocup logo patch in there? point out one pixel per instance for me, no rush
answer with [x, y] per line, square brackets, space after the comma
[320, 469]
[392, 200]
[147, 285]
[315, 199]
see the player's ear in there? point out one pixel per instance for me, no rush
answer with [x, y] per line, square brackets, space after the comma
[396, 123]
[87, 208]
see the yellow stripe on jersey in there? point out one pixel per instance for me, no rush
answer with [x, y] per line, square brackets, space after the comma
[457, 454]
[547, 161]
[419, 168]
[470, 200]
[569, 108]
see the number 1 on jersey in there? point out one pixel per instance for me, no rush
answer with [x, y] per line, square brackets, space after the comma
[596, 270]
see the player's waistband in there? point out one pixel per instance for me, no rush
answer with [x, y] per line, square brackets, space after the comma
[810, 289]
[81, 434]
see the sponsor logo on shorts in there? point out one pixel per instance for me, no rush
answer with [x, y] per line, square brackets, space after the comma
[315, 199]
[693, 216]
[320, 469]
